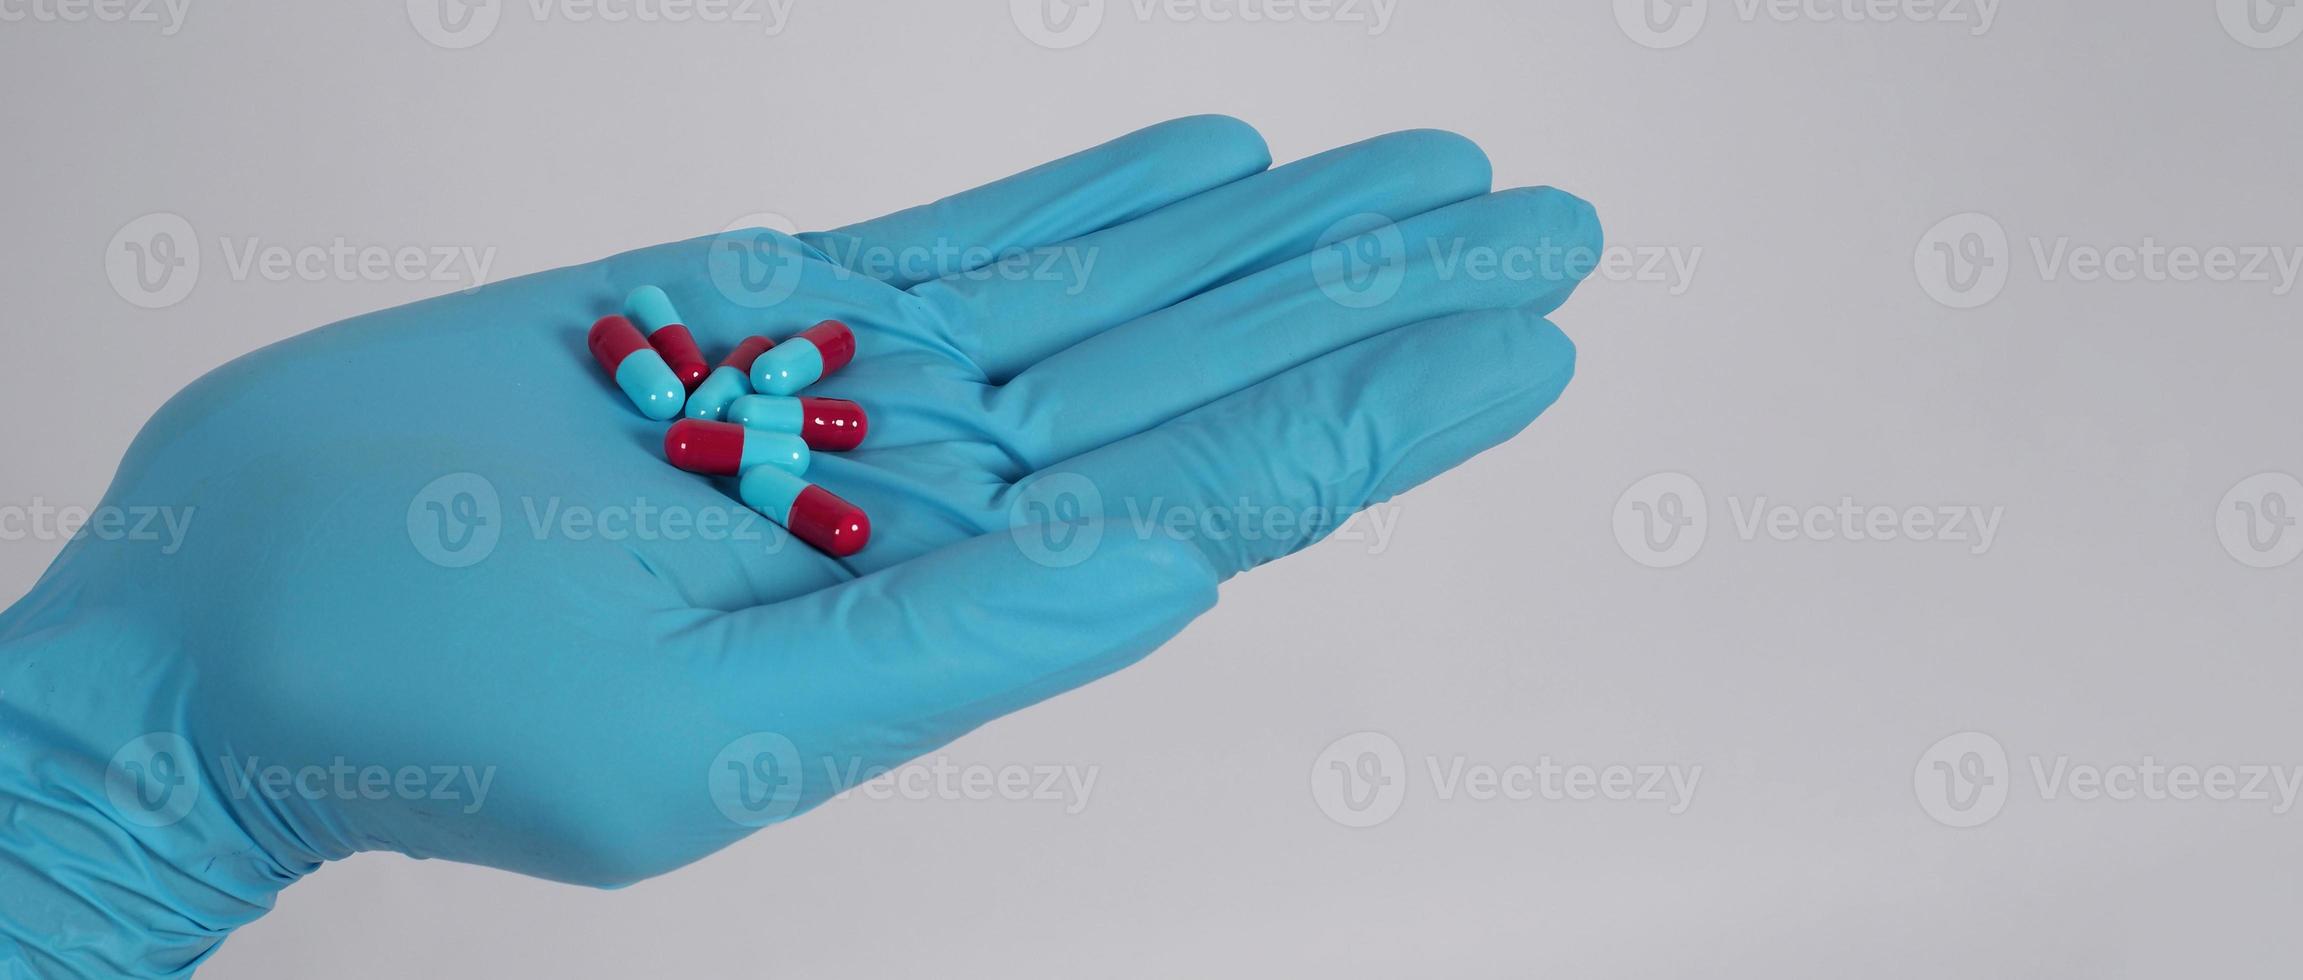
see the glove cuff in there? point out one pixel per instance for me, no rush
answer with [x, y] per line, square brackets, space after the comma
[118, 854]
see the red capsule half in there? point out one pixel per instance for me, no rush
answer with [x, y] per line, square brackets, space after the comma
[699, 446]
[832, 424]
[745, 353]
[727, 449]
[679, 349]
[636, 368]
[612, 339]
[821, 519]
[834, 341]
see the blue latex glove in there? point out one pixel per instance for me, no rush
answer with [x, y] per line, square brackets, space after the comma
[182, 735]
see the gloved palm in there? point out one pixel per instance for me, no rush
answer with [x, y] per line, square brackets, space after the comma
[437, 538]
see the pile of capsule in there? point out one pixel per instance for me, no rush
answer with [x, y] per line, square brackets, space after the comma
[743, 418]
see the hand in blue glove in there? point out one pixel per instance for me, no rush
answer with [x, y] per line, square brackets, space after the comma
[437, 541]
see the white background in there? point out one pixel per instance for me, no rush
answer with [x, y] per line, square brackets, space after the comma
[1799, 164]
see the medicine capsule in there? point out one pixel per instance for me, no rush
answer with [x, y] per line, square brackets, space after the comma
[830, 424]
[727, 382]
[812, 513]
[636, 368]
[667, 333]
[803, 360]
[726, 449]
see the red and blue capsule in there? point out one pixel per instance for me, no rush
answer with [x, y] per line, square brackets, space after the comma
[813, 514]
[804, 359]
[830, 424]
[730, 381]
[726, 449]
[636, 368]
[648, 307]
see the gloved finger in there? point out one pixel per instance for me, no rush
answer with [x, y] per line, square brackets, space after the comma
[1521, 248]
[738, 281]
[1038, 304]
[758, 281]
[1066, 198]
[1274, 468]
[910, 657]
